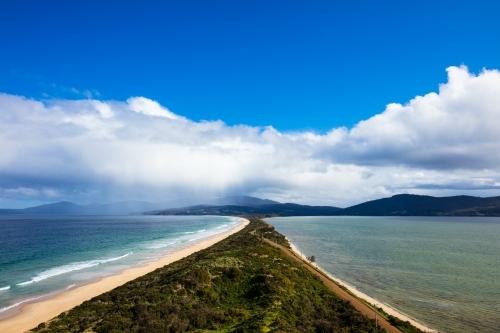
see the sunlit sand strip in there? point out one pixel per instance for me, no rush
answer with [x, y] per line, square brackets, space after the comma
[374, 302]
[35, 313]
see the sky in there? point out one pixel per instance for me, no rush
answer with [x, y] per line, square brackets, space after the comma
[318, 102]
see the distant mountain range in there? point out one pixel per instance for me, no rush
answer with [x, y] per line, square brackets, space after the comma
[423, 205]
[398, 205]
[131, 206]
[287, 209]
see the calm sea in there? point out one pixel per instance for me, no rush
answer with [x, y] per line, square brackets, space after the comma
[43, 255]
[442, 271]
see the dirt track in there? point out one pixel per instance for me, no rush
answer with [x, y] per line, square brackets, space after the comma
[360, 306]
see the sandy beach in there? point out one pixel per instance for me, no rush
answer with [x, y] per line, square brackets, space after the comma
[33, 314]
[359, 294]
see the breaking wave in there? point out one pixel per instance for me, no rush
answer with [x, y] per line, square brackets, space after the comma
[75, 266]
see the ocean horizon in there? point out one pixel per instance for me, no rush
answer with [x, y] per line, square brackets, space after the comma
[42, 256]
[441, 271]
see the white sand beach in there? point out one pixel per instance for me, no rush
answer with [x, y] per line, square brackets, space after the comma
[35, 313]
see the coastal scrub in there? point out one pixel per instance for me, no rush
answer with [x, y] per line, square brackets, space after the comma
[240, 284]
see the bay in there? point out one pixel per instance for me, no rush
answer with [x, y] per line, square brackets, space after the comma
[442, 271]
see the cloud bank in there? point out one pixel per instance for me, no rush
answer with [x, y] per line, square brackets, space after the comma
[93, 151]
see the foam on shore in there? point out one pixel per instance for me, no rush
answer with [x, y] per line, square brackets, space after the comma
[388, 309]
[75, 266]
[43, 308]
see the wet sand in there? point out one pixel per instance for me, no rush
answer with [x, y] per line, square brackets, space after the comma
[32, 314]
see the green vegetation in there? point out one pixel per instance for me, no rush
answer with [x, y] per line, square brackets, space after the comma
[404, 326]
[269, 210]
[311, 259]
[423, 205]
[241, 284]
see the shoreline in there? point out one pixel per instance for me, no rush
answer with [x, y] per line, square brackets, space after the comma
[352, 289]
[32, 314]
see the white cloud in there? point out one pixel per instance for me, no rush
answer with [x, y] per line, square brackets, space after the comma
[90, 150]
[457, 128]
[149, 107]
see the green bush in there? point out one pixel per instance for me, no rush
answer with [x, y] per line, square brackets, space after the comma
[404, 326]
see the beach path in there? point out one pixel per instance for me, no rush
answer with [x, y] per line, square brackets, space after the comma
[360, 306]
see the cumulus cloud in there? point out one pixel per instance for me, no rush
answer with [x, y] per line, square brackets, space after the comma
[90, 150]
[454, 129]
[150, 108]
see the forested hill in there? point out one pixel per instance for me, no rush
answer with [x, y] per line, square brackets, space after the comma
[398, 205]
[422, 205]
[287, 209]
[241, 284]
[131, 206]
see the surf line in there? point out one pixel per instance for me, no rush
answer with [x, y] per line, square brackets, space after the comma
[75, 266]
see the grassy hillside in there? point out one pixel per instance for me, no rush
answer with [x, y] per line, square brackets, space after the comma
[241, 284]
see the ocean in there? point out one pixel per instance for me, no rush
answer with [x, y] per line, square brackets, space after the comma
[44, 255]
[442, 271]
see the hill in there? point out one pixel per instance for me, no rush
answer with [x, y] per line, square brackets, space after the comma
[287, 209]
[69, 208]
[422, 205]
[240, 200]
[131, 206]
[398, 205]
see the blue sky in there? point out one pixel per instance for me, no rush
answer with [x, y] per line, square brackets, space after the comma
[318, 102]
[295, 65]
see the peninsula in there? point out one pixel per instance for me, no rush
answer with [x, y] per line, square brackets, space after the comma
[244, 283]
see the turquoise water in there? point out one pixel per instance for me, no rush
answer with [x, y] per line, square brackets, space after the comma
[44, 255]
[442, 271]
